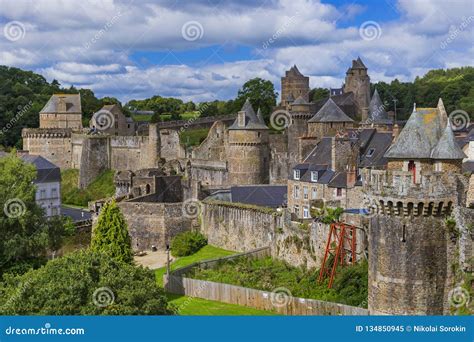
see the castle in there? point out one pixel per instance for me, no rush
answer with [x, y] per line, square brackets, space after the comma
[343, 151]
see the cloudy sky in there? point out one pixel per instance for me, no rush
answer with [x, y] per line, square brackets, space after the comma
[206, 49]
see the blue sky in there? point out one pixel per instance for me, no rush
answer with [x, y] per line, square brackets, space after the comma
[206, 49]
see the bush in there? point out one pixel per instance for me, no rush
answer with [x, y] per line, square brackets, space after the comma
[84, 283]
[187, 243]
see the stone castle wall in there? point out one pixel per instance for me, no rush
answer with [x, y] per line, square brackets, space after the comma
[153, 223]
[54, 144]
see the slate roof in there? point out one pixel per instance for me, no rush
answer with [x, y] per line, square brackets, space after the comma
[374, 152]
[447, 148]
[330, 112]
[426, 135]
[251, 119]
[273, 196]
[46, 171]
[468, 167]
[260, 116]
[345, 101]
[300, 100]
[358, 64]
[339, 180]
[377, 113]
[73, 104]
[321, 154]
[306, 169]
[294, 72]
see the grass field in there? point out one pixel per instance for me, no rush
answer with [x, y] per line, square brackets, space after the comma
[197, 306]
[165, 117]
[103, 186]
[193, 137]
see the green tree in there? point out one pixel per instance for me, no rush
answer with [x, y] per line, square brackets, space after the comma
[318, 94]
[26, 233]
[84, 283]
[261, 94]
[111, 234]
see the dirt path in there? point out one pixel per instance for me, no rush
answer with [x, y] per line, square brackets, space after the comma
[152, 260]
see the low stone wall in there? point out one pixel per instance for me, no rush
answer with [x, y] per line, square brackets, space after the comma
[277, 301]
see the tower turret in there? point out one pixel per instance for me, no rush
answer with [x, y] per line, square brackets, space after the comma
[293, 85]
[358, 82]
[248, 151]
[410, 245]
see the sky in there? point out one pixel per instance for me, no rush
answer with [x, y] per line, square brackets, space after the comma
[205, 50]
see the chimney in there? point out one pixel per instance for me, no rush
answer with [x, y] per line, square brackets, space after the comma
[351, 176]
[61, 105]
[241, 118]
[396, 131]
[333, 153]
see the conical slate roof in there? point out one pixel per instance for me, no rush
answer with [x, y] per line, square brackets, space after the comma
[426, 135]
[447, 148]
[251, 119]
[377, 113]
[294, 71]
[330, 112]
[358, 64]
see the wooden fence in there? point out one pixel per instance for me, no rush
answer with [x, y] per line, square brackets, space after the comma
[280, 300]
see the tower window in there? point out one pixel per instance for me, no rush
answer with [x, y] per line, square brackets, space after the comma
[370, 153]
[404, 233]
[296, 174]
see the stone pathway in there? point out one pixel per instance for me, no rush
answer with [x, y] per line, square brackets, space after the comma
[152, 260]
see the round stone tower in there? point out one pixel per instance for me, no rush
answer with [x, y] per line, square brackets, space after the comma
[411, 246]
[247, 148]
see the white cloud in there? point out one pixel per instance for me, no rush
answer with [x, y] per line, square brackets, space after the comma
[90, 43]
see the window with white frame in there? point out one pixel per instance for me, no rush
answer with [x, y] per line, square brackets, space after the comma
[305, 192]
[296, 174]
[305, 212]
[296, 191]
[438, 166]
[54, 193]
[314, 176]
[43, 194]
[297, 210]
[314, 193]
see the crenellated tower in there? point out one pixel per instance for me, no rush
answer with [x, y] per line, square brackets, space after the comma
[410, 243]
[358, 82]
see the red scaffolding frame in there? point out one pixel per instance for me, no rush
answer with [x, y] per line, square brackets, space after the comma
[341, 241]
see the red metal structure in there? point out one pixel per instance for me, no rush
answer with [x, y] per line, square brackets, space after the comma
[341, 241]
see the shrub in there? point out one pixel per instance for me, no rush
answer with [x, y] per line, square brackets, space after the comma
[84, 283]
[187, 243]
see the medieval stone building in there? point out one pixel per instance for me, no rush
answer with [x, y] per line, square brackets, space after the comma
[413, 243]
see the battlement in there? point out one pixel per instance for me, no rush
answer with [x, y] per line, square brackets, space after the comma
[46, 133]
[397, 193]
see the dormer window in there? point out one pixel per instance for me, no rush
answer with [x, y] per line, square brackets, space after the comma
[370, 153]
[241, 119]
[314, 176]
[296, 174]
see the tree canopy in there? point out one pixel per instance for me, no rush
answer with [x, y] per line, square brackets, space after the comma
[110, 235]
[261, 94]
[84, 283]
[26, 233]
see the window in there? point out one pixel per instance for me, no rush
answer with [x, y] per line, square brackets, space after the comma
[305, 212]
[297, 210]
[54, 192]
[314, 193]
[296, 192]
[305, 192]
[296, 174]
[339, 192]
[54, 211]
[370, 153]
[314, 176]
[43, 194]
[438, 166]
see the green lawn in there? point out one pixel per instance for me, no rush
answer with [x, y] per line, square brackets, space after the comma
[205, 253]
[165, 117]
[103, 186]
[193, 137]
[202, 307]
